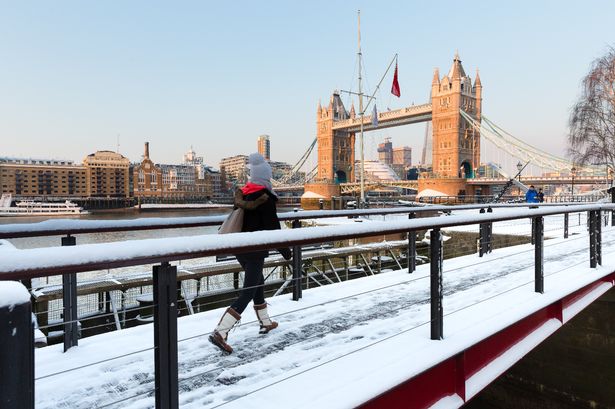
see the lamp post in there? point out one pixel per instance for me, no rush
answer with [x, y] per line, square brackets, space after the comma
[519, 167]
[573, 173]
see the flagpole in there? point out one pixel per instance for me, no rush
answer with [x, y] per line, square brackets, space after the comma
[361, 113]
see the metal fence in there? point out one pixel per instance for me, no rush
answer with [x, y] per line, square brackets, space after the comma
[71, 259]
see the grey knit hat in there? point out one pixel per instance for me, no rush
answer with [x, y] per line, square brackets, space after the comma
[260, 171]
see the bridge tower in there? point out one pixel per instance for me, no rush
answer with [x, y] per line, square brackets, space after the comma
[456, 146]
[335, 150]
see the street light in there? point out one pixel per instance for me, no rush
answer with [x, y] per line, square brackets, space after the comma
[519, 168]
[573, 173]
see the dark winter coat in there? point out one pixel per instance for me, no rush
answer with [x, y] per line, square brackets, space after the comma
[260, 213]
[541, 197]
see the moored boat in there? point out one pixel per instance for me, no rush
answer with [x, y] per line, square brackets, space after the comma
[32, 208]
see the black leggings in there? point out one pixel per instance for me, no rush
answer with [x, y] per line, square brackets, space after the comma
[252, 284]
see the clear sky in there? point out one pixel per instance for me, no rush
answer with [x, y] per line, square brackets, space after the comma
[215, 75]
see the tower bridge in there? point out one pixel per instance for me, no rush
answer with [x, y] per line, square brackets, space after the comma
[456, 143]
[458, 123]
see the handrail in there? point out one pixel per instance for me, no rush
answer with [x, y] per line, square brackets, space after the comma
[61, 227]
[41, 262]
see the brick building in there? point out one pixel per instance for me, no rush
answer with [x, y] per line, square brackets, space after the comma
[147, 177]
[107, 174]
[42, 178]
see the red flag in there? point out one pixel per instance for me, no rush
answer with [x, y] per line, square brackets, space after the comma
[395, 87]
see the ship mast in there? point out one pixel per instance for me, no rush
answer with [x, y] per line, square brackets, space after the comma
[361, 114]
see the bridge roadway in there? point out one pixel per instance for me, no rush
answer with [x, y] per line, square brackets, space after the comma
[344, 344]
[404, 116]
[348, 188]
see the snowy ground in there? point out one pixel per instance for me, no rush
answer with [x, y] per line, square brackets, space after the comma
[339, 346]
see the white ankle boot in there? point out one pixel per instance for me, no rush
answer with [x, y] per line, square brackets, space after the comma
[263, 317]
[220, 334]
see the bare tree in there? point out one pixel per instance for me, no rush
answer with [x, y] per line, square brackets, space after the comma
[592, 121]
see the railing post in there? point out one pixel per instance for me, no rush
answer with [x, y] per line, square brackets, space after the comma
[411, 247]
[592, 239]
[297, 267]
[489, 232]
[165, 336]
[533, 239]
[69, 302]
[236, 280]
[565, 225]
[437, 315]
[538, 227]
[482, 233]
[612, 190]
[16, 348]
[599, 237]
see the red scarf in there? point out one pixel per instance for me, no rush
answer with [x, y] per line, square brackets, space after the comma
[251, 188]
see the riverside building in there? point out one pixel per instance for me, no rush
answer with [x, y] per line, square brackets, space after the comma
[107, 175]
[42, 178]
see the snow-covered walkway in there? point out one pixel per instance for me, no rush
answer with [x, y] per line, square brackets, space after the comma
[339, 346]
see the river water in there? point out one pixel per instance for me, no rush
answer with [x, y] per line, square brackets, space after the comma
[54, 241]
[51, 241]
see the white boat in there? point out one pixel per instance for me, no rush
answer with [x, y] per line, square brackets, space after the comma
[32, 208]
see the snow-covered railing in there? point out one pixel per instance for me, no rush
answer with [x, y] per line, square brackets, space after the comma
[61, 227]
[41, 262]
[70, 259]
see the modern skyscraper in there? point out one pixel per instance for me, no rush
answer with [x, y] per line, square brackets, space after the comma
[264, 146]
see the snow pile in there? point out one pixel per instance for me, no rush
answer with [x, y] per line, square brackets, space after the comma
[430, 193]
[311, 195]
[13, 293]
[5, 245]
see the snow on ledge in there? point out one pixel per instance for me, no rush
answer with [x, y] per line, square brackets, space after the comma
[13, 293]
[452, 401]
[498, 366]
[311, 195]
[430, 193]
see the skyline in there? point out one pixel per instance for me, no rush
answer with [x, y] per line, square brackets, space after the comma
[74, 77]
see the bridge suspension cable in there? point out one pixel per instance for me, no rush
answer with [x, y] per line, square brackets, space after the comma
[292, 173]
[520, 149]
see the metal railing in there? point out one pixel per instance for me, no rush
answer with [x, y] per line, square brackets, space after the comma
[68, 227]
[70, 259]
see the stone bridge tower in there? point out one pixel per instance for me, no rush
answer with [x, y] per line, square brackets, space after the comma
[335, 148]
[456, 146]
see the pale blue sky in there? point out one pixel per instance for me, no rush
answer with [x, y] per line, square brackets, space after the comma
[215, 75]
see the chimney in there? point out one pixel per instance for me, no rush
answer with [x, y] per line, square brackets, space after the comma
[146, 150]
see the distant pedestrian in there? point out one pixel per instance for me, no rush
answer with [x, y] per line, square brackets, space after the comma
[540, 196]
[259, 203]
[531, 196]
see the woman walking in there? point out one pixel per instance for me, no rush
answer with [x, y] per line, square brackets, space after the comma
[259, 203]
